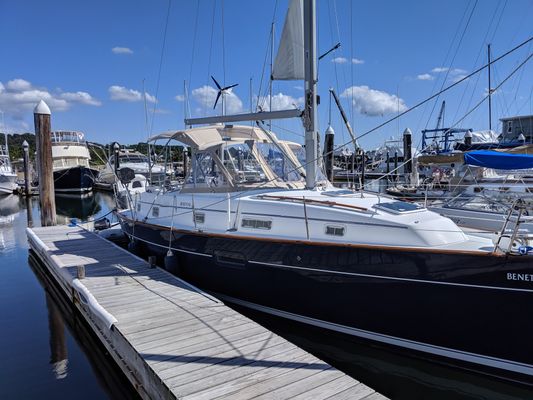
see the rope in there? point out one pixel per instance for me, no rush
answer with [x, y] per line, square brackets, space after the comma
[382, 124]
[160, 66]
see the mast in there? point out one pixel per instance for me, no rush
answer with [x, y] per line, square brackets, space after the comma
[271, 67]
[490, 90]
[310, 111]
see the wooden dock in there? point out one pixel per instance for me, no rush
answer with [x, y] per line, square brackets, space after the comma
[171, 339]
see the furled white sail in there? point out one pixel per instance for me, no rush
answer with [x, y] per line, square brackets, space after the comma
[289, 63]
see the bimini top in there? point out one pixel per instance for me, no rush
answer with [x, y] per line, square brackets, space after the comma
[204, 137]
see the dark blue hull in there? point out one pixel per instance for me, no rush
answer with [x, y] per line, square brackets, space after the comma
[75, 180]
[467, 308]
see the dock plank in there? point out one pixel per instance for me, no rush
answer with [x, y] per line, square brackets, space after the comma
[171, 339]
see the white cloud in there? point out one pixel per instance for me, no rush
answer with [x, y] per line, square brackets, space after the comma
[299, 87]
[120, 93]
[81, 97]
[373, 102]
[18, 97]
[458, 71]
[437, 70]
[425, 77]
[18, 85]
[280, 101]
[206, 96]
[180, 97]
[357, 61]
[339, 60]
[122, 50]
[459, 77]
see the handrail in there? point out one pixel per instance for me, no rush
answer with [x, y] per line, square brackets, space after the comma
[304, 200]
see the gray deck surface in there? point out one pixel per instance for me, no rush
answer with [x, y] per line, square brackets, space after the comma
[173, 340]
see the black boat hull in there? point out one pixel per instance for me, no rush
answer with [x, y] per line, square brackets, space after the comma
[459, 306]
[75, 180]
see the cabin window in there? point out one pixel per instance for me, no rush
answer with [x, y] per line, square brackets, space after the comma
[509, 126]
[335, 230]
[256, 223]
[397, 207]
[155, 211]
[199, 218]
[136, 184]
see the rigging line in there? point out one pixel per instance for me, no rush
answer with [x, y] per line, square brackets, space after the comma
[496, 88]
[205, 101]
[352, 67]
[445, 89]
[470, 111]
[160, 66]
[194, 39]
[520, 78]
[453, 59]
[492, 38]
[482, 47]
[444, 62]
[335, 64]
[223, 44]
[382, 124]
[267, 52]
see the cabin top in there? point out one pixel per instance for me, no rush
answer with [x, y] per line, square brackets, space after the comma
[233, 157]
[67, 136]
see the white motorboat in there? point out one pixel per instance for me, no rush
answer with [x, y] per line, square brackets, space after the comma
[70, 155]
[8, 178]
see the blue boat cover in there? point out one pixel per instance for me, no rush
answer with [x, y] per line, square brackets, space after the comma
[497, 160]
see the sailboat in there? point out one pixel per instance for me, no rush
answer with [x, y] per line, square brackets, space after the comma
[8, 178]
[257, 227]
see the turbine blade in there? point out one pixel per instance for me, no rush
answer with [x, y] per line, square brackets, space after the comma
[229, 87]
[216, 83]
[216, 101]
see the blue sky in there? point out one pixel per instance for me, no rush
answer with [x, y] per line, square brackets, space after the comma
[88, 60]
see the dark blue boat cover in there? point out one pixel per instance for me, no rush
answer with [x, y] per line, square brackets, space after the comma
[497, 160]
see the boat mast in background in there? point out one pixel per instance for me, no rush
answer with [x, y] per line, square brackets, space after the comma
[490, 90]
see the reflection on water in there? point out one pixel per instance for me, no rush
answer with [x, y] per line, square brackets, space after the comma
[47, 350]
[10, 205]
[77, 206]
[395, 375]
[58, 346]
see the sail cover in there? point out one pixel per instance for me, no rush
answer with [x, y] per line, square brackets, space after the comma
[498, 160]
[289, 62]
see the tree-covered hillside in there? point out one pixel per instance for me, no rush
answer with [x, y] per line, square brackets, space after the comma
[97, 151]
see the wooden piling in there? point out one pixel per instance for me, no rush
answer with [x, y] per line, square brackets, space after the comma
[43, 139]
[27, 175]
[407, 154]
[328, 152]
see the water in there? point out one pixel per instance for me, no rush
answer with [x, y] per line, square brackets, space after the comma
[47, 351]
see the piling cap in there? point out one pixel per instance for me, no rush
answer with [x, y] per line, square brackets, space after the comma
[330, 131]
[25, 145]
[407, 132]
[42, 108]
[468, 134]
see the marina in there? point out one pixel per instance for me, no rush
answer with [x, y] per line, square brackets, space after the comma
[311, 213]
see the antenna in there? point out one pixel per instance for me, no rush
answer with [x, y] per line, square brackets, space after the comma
[221, 92]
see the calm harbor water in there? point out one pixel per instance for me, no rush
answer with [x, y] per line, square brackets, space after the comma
[48, 352]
